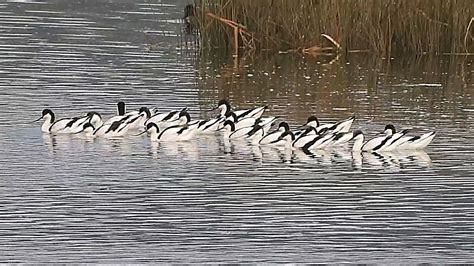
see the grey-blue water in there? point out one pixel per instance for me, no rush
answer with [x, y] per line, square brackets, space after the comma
[67, 199]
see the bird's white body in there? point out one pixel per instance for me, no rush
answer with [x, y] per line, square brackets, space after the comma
[340, 126]
[243, 122]
[209, 126]
[375, 144]
[285, 140]
[92, 117]
[120, 114]
[116, 129]
[74, 124]
[315, 142]
[253, 113]
[251, 133]
[116, 118]
[275, 137]
[164, 120]
[399, 140]
[305, 132]
[56, 126]
[254, 132]
[416, 142]
[173, 133]
[87, 131]
[177, 133]
[341, 139]
[302, 140]
[225, 111]
[394, 142]
[271, 137]
[136, 120]
[122, 127]
[302, 137]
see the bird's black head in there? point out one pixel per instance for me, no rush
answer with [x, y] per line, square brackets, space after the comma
[312, 118]
[230, 124]
[146, 111]
[223, 102]
[233, 115]
[151, 125]
[185, 114]
[288, 133]
[356, 133]
[391, 127]
[46, 112]
[284, 125]
[87, 125]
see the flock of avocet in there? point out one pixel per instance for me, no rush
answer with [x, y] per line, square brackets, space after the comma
[234, 124]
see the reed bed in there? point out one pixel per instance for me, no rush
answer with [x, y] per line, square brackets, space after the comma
[380, 26]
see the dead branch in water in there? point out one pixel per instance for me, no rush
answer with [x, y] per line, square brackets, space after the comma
[318, 49]
[247, 38]
[468, 33]
[329, 38]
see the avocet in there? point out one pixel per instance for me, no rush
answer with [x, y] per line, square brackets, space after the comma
[66, 125]
[173, 133]
[274, 136]
[341, 126]
[225, 110]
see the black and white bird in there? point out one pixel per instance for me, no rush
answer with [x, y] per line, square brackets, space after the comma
[375, 144]
[66, 125]
[172, 133]
[340, 126]
[408, 142]
[225, 110]
[274, 136]
[254, 133]
[207, 126]
[166, 119]
[128, 122]
[285, 139]
[315, 142]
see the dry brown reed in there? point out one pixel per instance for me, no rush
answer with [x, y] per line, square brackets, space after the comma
[380, 26]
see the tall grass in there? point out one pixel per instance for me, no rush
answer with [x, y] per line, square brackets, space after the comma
[380, 26]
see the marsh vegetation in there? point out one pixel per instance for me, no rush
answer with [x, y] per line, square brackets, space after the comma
[378, 26]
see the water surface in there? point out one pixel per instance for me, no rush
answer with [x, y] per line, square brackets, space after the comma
[68, 199]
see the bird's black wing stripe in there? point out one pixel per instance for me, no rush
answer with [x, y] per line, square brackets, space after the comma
[309, 144]
[70, 123]
[169, 116]
[244, 114]
[113, 127]
[382, 143]
[254, 130]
